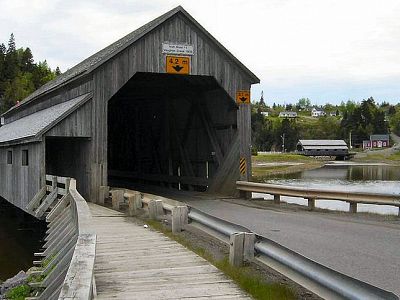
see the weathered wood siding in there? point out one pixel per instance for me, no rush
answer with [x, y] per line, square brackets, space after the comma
[77, 124]
[145, 56]
[19, 184]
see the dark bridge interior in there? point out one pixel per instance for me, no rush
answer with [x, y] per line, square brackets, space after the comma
[169, 130]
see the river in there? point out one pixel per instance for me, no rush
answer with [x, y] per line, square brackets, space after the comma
[373, 178]
[20, 236]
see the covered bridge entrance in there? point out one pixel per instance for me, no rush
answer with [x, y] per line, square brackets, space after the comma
[165, 105]
[170, 130]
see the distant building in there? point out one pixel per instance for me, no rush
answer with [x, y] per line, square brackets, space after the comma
[333, 114]
[288, 114]
[377, 141]
[317, 113]
[322, 147]
[265, 113]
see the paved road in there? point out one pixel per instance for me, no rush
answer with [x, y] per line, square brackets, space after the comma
[369, 251]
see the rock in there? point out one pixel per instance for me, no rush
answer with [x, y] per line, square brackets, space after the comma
[19, 279]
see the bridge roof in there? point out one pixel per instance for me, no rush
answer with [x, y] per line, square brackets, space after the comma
[34, 125]
[323, 144]
[99, 58]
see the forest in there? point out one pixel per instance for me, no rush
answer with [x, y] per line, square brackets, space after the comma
[19, 74]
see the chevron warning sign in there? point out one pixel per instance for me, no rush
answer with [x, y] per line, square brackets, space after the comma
[243, 97]
[242, 166]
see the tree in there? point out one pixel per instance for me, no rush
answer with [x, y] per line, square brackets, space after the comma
[27, 63]
[395, 122]
[11, 44]
[19, 75]
[303, 103]
[57, 71]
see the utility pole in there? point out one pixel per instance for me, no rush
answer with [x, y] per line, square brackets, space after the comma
[350, 140]
[283, 142]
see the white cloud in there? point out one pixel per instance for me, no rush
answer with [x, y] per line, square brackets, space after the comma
[285, 42]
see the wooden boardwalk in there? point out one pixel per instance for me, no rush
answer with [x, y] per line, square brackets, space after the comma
[133, 262]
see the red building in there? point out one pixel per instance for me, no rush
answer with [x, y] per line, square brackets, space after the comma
[377, 141]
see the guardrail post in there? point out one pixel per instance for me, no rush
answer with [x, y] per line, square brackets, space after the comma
[277, 199]
[311, 203]
[179, 218]
[134, 202]
[117, 198]
[236, 246]
[155, 209]
[132, 205]
[353, 207]
[248, 245]
[138, 200]
[104, 193]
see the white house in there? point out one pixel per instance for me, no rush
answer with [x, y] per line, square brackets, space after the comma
[317, 113]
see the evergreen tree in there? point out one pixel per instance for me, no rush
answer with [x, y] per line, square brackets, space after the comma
[11, 44]
[19, 74]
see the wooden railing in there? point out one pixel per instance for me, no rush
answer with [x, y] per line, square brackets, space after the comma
[312, 194]
[65, 270]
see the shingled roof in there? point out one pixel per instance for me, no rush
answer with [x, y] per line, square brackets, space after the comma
[96, 60]
[34, 125]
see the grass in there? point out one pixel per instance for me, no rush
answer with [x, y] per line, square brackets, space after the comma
[253, 284]
[18, 293]
[280, 157]
[380, 157]
[260, 172]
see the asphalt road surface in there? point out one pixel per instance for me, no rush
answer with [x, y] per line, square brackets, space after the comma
[366, 250]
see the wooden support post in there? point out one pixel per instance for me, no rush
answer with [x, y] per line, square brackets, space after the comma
[179, 218]
[236, 244]
[155, 209]
[103, 194]
[277, 199]
[248, 251]
[311, 203]
[117, 198]
[353, 207]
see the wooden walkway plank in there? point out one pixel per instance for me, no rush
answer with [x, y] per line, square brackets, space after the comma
[133, 262]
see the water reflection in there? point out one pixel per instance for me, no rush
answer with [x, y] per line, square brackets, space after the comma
[20, 236]
[370, 178]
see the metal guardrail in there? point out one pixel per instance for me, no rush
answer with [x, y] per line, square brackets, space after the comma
[312, 194]
[65, 270]
[319, 279]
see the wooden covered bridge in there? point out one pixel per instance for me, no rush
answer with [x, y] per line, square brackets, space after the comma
[165, 105]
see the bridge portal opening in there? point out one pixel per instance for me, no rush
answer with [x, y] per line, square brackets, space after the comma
[169, 130]
[69, 157]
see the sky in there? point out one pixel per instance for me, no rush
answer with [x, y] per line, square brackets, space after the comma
[325, 50]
